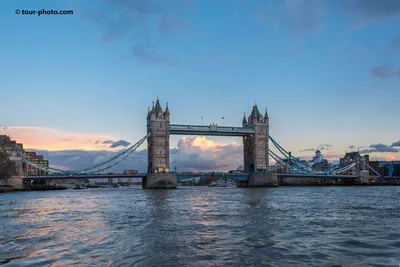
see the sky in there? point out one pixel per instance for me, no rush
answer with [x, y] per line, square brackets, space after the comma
[328, 72]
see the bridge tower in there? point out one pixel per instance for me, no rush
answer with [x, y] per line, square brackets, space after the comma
[158, 170]
[255, 150]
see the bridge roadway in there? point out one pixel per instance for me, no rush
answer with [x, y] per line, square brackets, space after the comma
[181, 176]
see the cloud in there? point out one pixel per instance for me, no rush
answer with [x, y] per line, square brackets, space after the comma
[396, 144]
[191, 154]
[308, 149]
[330, 156]
[140, 6]
[49, 139]
[302, 16]
[376, 148]
[138, 20]
[199, 153]
[325, 145]
[384, 72]
[114, 144]
[119, 143]
[396, 44]
[390, 157]
[79, 159]
[309, 16]
[367, 11]
[146, 56]
[170, 24]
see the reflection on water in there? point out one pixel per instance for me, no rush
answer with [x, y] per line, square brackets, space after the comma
[325, 226]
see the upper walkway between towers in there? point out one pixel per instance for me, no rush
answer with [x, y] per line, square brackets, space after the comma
[212, 129]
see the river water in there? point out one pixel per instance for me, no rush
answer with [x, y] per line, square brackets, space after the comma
[201, 226]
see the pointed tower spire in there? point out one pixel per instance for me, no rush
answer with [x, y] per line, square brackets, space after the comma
[266, 114]
[158, 106]
[244, 118]
[152, 109]
[255, 113]
[166, 108]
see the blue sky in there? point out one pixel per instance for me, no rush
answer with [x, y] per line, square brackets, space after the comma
[328, 71]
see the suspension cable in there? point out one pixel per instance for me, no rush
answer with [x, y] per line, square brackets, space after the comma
[54, 170]
[115, 163]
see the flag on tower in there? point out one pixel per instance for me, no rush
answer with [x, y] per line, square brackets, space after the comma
[223, 117]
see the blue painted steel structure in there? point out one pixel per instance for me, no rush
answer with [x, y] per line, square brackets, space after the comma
[299, 175]
[212, 129]
[297, 168]
[181, 176]
[233, 176]
[81, 176]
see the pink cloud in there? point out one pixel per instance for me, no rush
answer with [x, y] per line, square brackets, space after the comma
[391, 157]
[42, 138]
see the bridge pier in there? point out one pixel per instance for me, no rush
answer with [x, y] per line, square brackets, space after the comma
[16, 182]
[364, 177]
[263, 179]
[164, 180]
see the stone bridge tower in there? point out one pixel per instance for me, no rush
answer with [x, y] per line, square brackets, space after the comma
[158, 168]
[255, 146]
[255, 150]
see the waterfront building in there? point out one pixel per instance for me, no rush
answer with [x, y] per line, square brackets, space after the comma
[318, 162]
[280, 168]
[39, 160]
[11, 167]
[376, 165]
[323, 165]
[385, 168]
[6, 144]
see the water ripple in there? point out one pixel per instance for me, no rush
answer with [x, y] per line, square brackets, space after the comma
[304, 226]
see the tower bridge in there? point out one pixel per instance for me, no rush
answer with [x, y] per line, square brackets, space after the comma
[254, 132]
[255, 136]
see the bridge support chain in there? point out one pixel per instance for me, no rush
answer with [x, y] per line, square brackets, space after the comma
[263, 179]
[163, 180]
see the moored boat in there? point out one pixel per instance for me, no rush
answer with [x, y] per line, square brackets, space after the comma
[80, 186]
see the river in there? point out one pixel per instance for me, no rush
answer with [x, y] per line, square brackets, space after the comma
[201, 226]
